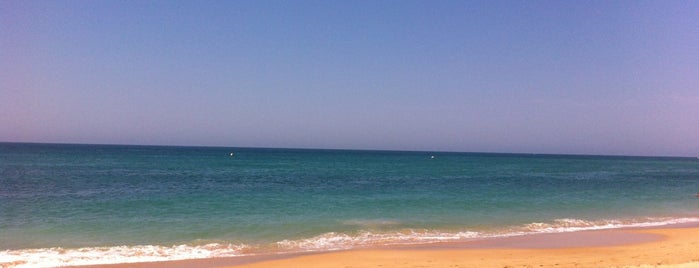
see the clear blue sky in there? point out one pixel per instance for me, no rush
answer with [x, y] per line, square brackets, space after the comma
[580, 77]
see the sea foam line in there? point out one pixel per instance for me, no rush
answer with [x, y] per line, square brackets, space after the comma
[339, 241]
[573, 225]
[54, 257]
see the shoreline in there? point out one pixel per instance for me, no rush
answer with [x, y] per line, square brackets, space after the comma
[620, 247]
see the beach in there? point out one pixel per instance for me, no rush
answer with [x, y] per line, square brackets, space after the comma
[674, 247]
[226, 134]
[668, 246]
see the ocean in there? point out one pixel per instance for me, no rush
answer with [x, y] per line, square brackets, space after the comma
[93, 204]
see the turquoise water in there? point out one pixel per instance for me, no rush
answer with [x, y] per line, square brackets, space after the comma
[81, 204]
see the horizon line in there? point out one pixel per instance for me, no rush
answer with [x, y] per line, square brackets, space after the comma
[351, 149]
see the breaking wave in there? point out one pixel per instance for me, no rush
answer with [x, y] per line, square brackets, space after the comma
[55, 257]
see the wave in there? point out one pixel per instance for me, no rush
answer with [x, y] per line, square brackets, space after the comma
[573, 225]
[340, 241]
[54, 257]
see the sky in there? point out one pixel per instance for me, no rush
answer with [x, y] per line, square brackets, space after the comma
[567, 77]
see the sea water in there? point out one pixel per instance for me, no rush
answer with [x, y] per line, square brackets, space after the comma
[92, 204]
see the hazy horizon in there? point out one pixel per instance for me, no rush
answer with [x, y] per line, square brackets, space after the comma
[435, 152]
[546, 77]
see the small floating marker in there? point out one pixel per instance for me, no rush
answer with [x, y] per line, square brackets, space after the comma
[432, 157]
[231, 154]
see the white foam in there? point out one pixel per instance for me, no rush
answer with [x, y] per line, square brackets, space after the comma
[336, 241]
[573, 225]
[55, 257]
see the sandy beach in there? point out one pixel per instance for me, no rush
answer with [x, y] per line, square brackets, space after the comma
[668, 247]
[675, 246]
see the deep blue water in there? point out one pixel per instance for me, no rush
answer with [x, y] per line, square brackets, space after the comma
[190, 202]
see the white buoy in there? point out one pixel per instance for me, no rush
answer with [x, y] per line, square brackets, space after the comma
[231, 154]
[432, 157]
